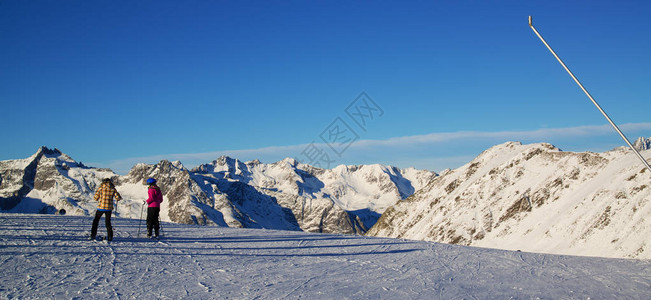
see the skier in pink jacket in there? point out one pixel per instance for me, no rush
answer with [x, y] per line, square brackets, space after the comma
[153, 207]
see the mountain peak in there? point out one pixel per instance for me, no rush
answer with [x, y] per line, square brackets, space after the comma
[224, 160]
[55, 153]
[254, 162]
[178, 164]
[290, 161]
[642, 143]
[49, 152]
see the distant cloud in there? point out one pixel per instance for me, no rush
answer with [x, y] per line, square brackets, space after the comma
[395, 150]
[539, 134]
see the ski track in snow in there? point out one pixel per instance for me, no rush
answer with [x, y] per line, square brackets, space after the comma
[45, 256]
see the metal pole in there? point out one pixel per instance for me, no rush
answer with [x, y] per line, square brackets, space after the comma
[590, 96]
[140, 221]
[160, 225]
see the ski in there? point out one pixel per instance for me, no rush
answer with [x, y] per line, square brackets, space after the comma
[99, 239]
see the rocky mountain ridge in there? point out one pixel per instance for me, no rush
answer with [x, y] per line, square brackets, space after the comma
[534, 198]
[227, 192]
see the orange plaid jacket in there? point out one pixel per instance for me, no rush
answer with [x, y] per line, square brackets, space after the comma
[105, 194]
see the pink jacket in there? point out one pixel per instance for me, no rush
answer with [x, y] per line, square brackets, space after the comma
[155, 196]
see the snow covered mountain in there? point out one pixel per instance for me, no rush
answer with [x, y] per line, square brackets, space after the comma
[350, 198]
[534, 198]
[519, 197]
[48, 181]
[284, 195]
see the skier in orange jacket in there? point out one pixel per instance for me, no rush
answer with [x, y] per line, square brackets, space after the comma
[105, 194]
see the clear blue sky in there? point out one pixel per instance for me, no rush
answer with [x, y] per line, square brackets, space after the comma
[111, 83]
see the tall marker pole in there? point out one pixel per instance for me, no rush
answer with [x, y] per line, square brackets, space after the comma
[590, 96]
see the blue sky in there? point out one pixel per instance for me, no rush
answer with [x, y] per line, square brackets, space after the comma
[112, 84]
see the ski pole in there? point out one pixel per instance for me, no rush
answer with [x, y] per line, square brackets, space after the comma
[646, 164]
[160, 226]
[116, 216]
[140, 221]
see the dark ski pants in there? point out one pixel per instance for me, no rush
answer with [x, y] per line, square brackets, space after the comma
[152, 220]
[109, 228]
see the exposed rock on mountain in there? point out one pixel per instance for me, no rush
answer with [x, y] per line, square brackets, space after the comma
[227, 192]
[642, 144]
[347, 199]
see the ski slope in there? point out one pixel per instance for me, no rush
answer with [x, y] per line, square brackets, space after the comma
[48, 256]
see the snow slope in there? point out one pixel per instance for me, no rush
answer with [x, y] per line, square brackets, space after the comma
[47, 256]
[534, 198]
